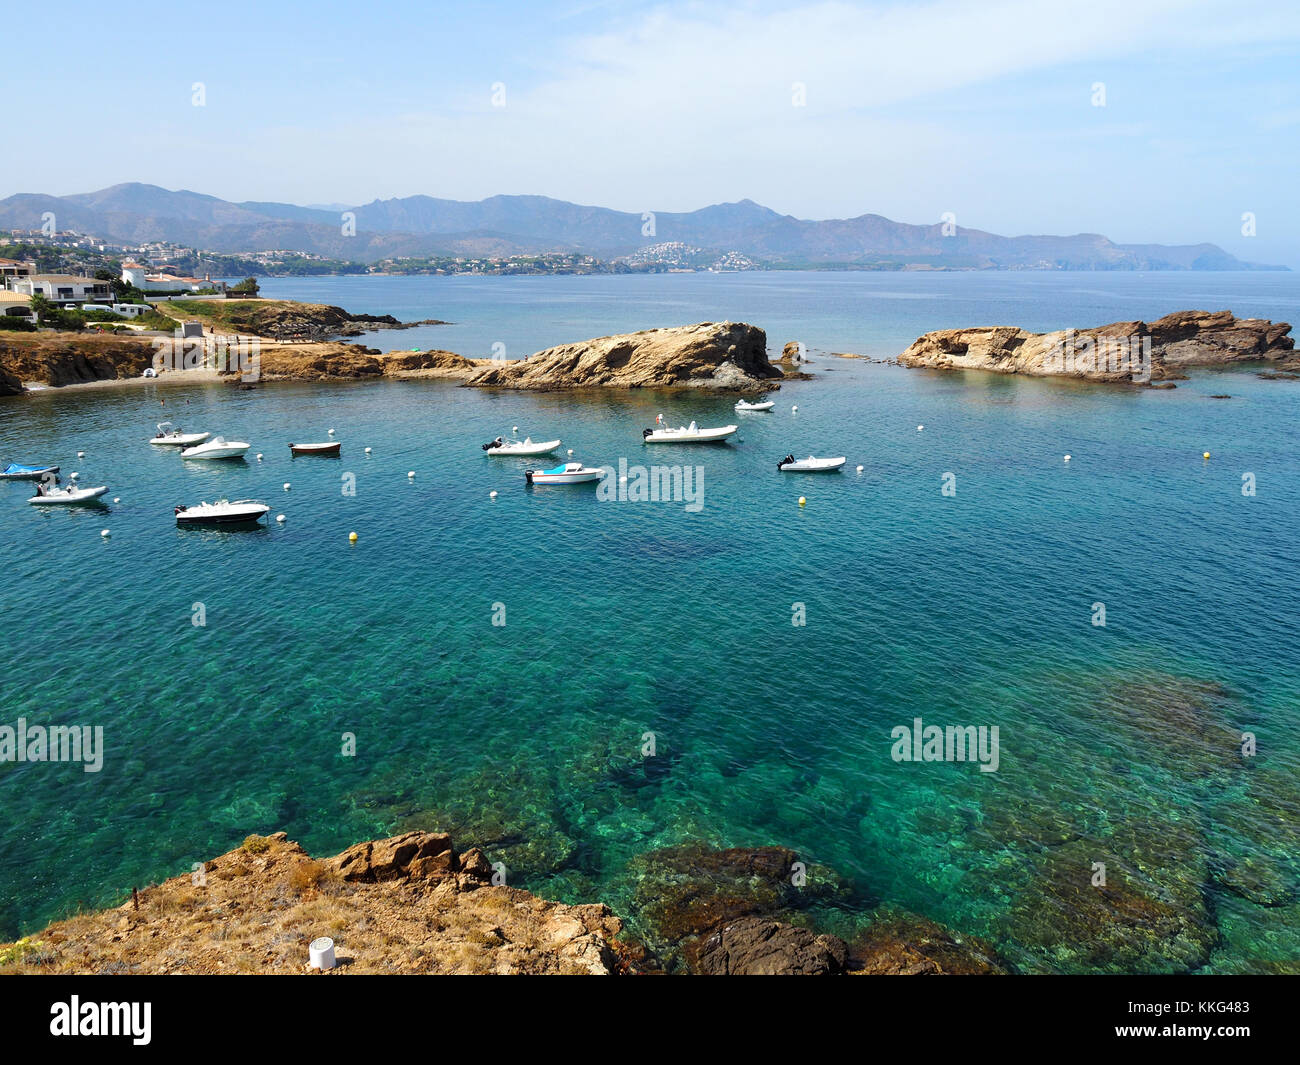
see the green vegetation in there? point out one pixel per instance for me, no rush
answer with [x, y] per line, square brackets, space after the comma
[15, 324]
[246, 287]
[25, 950]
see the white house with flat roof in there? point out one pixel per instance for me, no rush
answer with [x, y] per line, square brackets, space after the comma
[135, 274]
[62, 288]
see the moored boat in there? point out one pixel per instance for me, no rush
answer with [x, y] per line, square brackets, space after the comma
[70, 496]
[686, 434]
[568, 473]
[790, 464]
[765, 405]
[16, 471]
[217, 448]
[520, 448]
[170, 435]
[222, 512]
[334, 447]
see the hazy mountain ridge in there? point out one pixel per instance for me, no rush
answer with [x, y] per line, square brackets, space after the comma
[416, 226]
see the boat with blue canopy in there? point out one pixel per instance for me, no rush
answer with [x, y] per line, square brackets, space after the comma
[15, 471]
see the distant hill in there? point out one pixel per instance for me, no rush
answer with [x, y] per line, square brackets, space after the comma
[414, 226]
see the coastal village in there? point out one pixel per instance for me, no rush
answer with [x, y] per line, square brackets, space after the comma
[129, 297]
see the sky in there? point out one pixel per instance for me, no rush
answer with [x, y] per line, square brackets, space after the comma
[1163, 121]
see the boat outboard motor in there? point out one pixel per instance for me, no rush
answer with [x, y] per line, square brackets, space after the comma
[528, 476]
[781, 464]
[645, 433]
[493, 443]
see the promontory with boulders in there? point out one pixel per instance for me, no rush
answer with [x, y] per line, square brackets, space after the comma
[413, 904]
[298, 341]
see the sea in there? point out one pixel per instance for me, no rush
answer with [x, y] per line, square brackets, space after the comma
[585, 686]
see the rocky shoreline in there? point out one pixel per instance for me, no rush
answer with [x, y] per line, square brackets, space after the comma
[300, 342]
[726, 356]
[412, 904]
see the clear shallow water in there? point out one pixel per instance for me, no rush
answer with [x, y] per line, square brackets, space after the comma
[1118, 744]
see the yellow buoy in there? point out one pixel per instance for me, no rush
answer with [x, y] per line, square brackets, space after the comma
[802, 501]
[1206, 455]
[352, 537]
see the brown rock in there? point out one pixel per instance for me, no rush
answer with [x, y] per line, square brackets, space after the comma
[726, 355]
[1177, 341]
[392, 859]
[474, 863]
[757, 947]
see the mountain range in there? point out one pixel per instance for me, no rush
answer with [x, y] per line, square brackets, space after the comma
[419, 226]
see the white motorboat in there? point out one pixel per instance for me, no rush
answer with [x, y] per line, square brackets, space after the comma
[67, 497]
[222, 512]
[790, 464]
[569, 473]
[686, 434]
[766, 405]
[170, 435]
[524, 447]
[217, 448]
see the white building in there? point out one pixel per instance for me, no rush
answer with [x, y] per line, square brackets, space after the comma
[62, 288]
[135, 274]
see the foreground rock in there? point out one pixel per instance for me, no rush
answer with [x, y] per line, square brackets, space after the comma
[755, 947]
[1119, 352]
[725, 355]
[409, 904]
[58, 359]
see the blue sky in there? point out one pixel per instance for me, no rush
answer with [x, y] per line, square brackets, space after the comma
[910, 109]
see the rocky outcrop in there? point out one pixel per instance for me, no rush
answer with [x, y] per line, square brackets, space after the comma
[410, 904]
[429, 364]
[755, 947]
[58, 359]
[1120, 352]
[726, 355]
[10, 384]
[283, 319]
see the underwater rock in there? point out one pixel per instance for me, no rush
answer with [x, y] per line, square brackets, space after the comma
[1064, 924]
[683, 893]
[904, 944]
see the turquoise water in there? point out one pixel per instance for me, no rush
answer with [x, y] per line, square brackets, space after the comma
[1117, 744]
